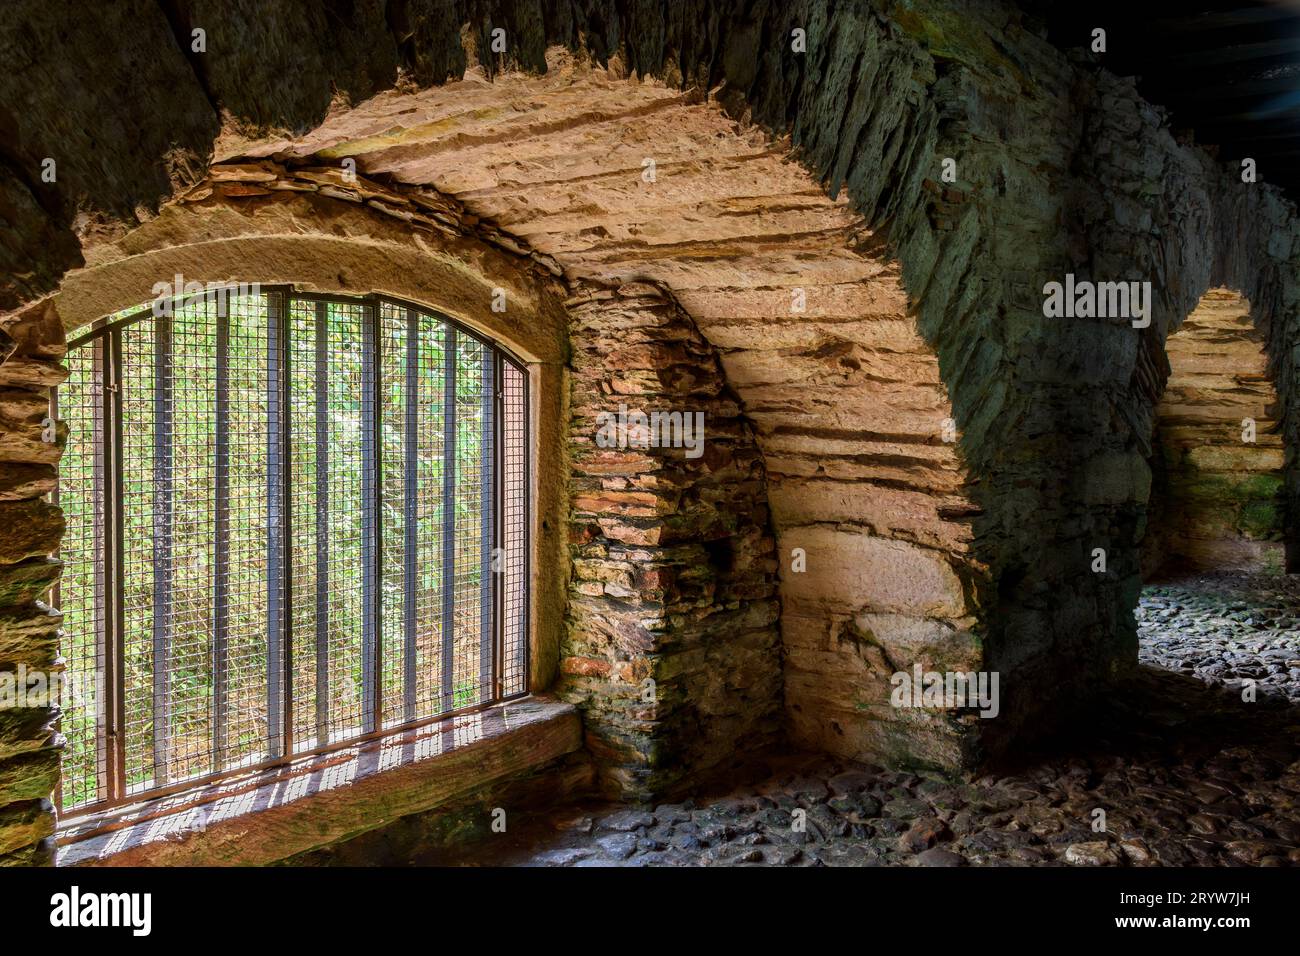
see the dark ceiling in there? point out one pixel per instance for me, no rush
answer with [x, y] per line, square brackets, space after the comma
[1230, 71]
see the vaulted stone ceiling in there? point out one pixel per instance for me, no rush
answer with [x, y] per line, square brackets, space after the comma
[811, 320]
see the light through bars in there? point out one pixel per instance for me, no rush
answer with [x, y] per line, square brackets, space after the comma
[293, 521]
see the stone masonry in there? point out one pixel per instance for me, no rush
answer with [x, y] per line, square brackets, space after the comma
[673, 650]
[1218, 468]
[30, 528]
[949, 459]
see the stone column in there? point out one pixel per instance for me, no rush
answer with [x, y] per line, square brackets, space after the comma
[30, 530]
[672, 649]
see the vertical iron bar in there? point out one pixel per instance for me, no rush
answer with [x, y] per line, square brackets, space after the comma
[101, 445]
[163, 500]
[56, 591]
[322, 526]
[527, 517]
[221, 545]
[286, 530]
[448, 572]
[275, 525]
[114, 562]
[498, 532]
[487, 522]
[370, 584]
[56, 496]
[410, 508]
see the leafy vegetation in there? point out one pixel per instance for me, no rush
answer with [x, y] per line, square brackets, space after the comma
[170, 510]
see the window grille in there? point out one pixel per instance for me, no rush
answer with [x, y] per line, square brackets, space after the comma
[293, 521]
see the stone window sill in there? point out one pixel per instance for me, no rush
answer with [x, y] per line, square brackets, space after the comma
[274, 814]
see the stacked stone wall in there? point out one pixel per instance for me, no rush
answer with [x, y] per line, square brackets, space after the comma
[673, 651]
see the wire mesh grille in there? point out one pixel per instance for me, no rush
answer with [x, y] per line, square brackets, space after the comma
[194, 436]
[330, 411]
[514, 527]
[241, 671]
[313, 503]
[80, 590]
[416, 422]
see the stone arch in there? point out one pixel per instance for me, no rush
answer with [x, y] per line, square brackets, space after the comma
[668, 536]
[1150, 206]
[1217, 448]
[319, 243]
[630, 180]
[1059, 166]
[1206, 229]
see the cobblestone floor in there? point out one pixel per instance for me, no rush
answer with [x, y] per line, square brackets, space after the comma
[1226, 628]
[1184, 770]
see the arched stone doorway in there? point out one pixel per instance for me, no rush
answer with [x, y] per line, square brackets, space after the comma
[1217, 603]
[1216, 496]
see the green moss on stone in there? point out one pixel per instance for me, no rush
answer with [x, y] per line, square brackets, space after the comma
[1260, 520]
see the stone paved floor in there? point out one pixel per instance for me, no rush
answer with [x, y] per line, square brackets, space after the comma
[1186, 773]
[1226, 628]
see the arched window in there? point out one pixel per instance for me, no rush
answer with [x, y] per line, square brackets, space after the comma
[293, 521]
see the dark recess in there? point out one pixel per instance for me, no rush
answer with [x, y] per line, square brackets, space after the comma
[1228, 71]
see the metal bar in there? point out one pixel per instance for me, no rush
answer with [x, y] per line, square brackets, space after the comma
[114, 561]
[278, 306]
[100, 451]
[322, 526]
[498, 531]
[221, 543]
[448, 571]
[446, 320]
[287, 528]
[276, 523]
[487, 521]
[163, 504]
[410, 508]
[370, 570]
[370, 313]
[526, 507]
[219, 292]
[56, 591]
[94, 332]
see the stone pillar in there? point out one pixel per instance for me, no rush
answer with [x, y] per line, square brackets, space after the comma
[672, 649]
[30, 529]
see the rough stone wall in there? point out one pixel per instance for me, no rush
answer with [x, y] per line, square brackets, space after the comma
[439, 837]
[811, 323]
[673, 651]
[1151, 205]
[1061, 167]
[30, 528]
[1064, 169]
[1215, 498]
